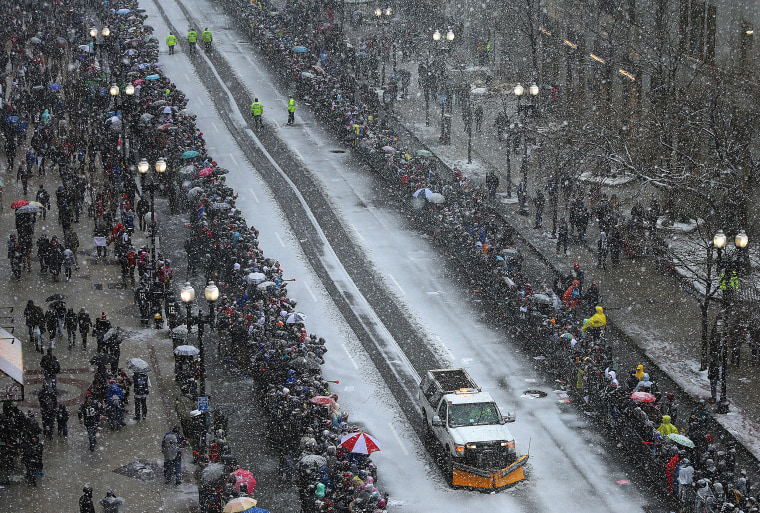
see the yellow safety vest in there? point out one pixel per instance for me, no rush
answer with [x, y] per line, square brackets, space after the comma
[291, 105]
[192, 36]
[257, 108]
[171, 40]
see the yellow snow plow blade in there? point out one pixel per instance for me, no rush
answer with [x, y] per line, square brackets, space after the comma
[470, 477]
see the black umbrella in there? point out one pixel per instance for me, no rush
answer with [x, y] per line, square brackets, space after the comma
[55, 297]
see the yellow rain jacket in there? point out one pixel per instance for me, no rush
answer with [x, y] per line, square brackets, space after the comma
[597, 320]
[666, 428]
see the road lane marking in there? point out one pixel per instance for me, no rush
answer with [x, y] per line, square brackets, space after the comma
[310, 292]
[215, 128]
[200, 101]
[398, 438]
[349, 356]
[279, 239]
[397, 284]
[357, 231]
[438, 338]
[256, 198]
[233, 159]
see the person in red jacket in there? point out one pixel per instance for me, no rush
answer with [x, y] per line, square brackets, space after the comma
[572, 295]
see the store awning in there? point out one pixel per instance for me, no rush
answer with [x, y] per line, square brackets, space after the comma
[11, 368]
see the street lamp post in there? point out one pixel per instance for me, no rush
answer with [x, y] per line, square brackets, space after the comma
[728, 283]
[382, 14]
[211, 293]
[105, 32]
[143, 168]
[519, 92]
[94, 36]
[443, 98]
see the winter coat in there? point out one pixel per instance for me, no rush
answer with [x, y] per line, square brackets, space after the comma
[644, 385]
[640, 372]
[115, 395]
[170, 446]
[597, 320]
[50, 365]
[89, 413]
[83, 321]
[666, 428]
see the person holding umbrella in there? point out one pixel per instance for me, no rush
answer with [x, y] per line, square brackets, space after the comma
[141, 389]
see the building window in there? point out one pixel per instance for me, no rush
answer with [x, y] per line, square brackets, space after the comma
[697, 29]
[746, 43]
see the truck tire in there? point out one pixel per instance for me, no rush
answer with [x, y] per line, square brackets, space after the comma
[427, 430]
[448, 472]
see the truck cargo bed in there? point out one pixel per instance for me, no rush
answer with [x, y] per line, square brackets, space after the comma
[453, 379]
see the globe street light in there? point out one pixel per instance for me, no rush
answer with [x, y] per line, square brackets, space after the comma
[450, 35]
[143, 166]
[436, 35]
[728, 283]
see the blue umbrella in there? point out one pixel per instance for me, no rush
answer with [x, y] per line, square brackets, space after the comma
[152, 77]
[11, 119]
[27, 209]
[123, 11]
[300, 49]
[189, 154]
[361, 54]
[55, 87]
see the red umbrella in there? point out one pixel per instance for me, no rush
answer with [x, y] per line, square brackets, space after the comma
[205, 172]
[643, 397]
[138, 81]
[360, 442]
[19, 204]
[324, 400]
[244, 476]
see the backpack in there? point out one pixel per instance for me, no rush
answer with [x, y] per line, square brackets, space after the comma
[141, 384]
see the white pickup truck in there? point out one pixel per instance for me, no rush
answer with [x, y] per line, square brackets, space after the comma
[466, 421]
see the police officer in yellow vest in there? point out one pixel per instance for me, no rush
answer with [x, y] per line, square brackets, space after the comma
[291, 111]
[257, 109]
[206, 37]
[171, 40]
[192, 38]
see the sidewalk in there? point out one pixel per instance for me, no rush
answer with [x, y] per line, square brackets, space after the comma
[649, 309]
[129, 461]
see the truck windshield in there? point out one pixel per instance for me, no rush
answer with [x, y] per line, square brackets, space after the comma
[473, 414]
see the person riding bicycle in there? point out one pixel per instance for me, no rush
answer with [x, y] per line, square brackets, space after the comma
[192, 38]
[257, 109]
[206, 37]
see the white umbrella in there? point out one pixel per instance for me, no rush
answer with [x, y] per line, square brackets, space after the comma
[265, 285]
[186, 350]
[256, 278]
[422, 193]
[138, 366]
[436, 197]
[295, 318]
[180, 331]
